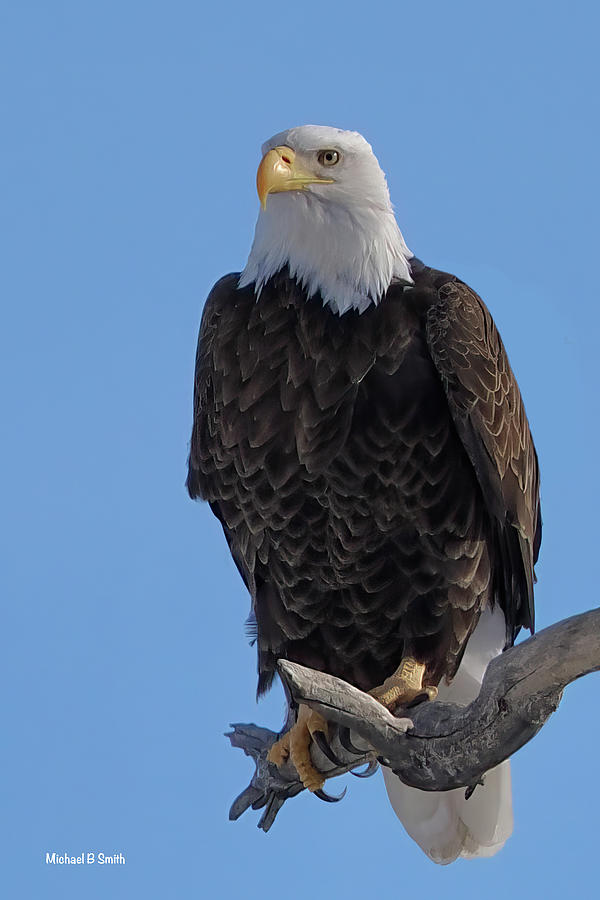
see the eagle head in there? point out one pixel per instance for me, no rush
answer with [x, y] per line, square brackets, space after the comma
[327, 216]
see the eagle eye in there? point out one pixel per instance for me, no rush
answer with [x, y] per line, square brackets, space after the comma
[328, 157]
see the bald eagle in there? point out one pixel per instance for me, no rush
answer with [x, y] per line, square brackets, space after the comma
[360, 435]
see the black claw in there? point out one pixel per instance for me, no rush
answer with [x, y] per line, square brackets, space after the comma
[323, 745]
[471, 789]
[416, 701]
[368, 772]
[344, 735]
[328, 797]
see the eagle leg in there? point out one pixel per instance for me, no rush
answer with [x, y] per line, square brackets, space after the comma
[405, 686]
[295, 745]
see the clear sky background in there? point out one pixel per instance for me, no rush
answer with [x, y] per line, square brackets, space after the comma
[130, 140]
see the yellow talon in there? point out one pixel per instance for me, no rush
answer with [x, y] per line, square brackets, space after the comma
[295, 745]
[404, 686]
[280, 750]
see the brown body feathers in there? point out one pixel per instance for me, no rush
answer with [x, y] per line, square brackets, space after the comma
[374, 473]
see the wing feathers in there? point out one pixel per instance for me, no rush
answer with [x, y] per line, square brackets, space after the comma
[488, 412]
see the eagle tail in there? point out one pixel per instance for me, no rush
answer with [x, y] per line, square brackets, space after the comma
[446, 825]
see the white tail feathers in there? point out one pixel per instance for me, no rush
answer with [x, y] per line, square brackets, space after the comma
[445, 825]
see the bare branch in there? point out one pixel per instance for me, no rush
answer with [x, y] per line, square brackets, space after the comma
[448, 746]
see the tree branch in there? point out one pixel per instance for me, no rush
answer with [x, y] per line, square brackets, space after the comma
[446, 746]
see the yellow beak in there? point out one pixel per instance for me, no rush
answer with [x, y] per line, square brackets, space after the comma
[280, 171]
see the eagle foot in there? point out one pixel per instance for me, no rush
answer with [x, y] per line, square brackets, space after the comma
[405, 686]
[295, 745]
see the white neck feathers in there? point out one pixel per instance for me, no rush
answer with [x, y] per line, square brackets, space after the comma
[347, 252]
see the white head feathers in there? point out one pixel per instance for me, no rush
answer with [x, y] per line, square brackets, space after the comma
[339, 239]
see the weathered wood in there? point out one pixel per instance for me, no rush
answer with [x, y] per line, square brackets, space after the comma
[442, 746]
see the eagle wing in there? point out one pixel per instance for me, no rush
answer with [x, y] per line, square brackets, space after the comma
[488, 413]
[219, 315]
[223, 357]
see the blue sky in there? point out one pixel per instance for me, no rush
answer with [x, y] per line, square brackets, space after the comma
[131, 136]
